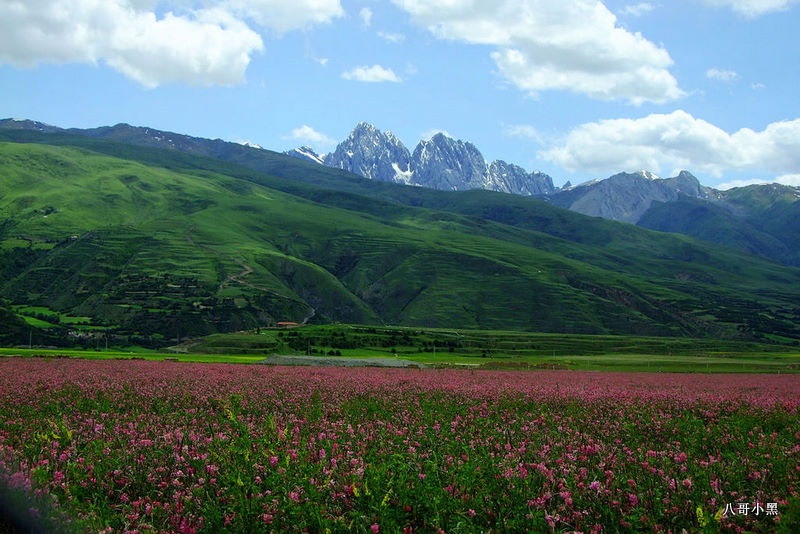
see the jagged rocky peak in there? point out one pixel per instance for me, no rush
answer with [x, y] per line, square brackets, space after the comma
[627, 196]
[510, 178]
[687, 184]
[307, 153]
[440, 162]
[373, 154]
[448, 164]
[640, 176]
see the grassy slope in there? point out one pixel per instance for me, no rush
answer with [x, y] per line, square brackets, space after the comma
[761, 220]
[774, 209]
[715, 224]
[163, 244]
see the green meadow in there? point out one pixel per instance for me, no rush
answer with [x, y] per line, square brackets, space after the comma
[468, 349]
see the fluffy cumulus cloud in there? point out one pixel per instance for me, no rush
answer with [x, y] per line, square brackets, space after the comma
[677, 140]
[753, 8]
[210, 45]
[789, 179]
[540, 45]
[373, 74]
[307, 134]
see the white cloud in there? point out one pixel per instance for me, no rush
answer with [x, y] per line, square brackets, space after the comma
[321, 60]
[572, 45]
[637, 10]
[677, 141]
[212, 45]
[786, 179]
[200, 47]
[721, 75]
[307, 134]
[392, 37]
[523, 130]
[757, 86]
[285, 15]
[366, 16]
[789, 179]
[373, 74]
[753, 8]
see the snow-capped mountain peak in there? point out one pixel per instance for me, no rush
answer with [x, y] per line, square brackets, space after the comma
[649, 175]
[440, 162]
[251, 145]
[307, 153]
[372, 154]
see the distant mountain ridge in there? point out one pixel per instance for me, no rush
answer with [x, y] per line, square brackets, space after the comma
[151, 243]
[759, 219]
[724, 217]
[440, 162]
[627, 196]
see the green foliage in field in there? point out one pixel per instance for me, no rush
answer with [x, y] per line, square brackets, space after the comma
[498, 349]
[159, 245]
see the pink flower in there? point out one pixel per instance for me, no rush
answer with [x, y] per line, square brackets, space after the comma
[374, 528]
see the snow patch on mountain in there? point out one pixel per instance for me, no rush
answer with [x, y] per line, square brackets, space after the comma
[307, 153]
[440, 162]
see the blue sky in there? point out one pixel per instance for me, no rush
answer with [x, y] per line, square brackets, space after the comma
[579, 89]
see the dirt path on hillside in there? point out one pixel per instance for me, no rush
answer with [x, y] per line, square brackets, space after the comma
[240, 277]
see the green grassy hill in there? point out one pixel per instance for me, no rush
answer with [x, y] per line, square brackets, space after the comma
[147, 242]
[759, 219]
[716, 224]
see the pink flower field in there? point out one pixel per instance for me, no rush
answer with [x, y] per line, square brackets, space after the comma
[135, 446]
